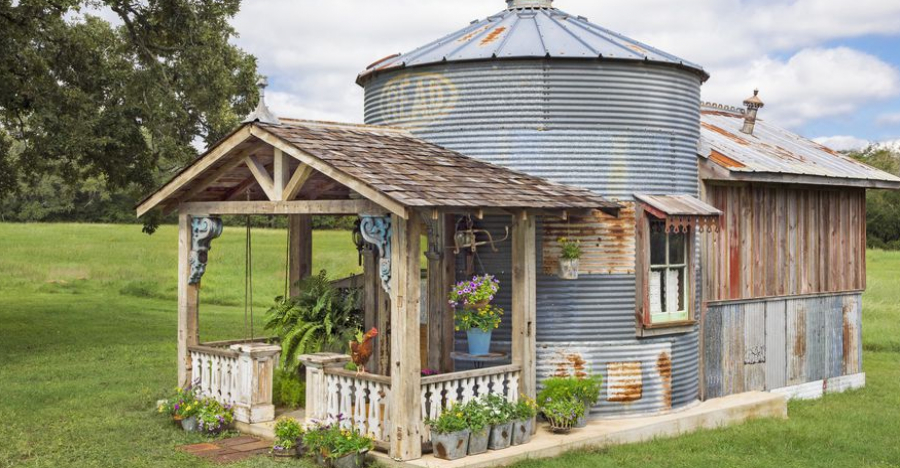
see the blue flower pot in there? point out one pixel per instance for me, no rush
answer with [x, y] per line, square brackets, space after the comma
[479, 342]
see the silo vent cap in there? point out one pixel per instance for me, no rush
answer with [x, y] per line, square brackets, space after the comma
[511, 4]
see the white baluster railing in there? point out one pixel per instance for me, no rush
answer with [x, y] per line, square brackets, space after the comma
[215, 373]
[359, 401]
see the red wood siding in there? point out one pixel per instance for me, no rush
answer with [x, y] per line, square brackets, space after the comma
[784, 241]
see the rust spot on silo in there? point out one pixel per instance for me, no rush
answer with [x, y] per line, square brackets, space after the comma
[571, 365]
[664, 366]
[624, 382]
[493, 36]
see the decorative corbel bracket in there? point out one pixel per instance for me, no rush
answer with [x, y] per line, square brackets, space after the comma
[203, 231]
[376, 230]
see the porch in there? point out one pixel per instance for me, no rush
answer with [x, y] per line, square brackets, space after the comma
[404, 192]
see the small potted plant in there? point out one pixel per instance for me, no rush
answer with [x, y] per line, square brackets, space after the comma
[562, 413]
[188, 411]
[175, 406]
[500, 413]
[569, 258]
[450, 434]
[479, 428]
[317, 440]
[524, 412]
[475, 315]
[214, 417]
[288, 438]
[348, 448]
[585, 389]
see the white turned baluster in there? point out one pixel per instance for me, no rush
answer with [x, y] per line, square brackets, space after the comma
[359, 413]
[332, 403]
[195, 367]
[512, 392]
[347, 403]
[497, 385]
[468, 392]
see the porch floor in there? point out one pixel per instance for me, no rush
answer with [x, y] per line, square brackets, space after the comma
[710, 414]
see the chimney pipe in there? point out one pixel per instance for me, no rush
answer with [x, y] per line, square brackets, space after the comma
[754, 104]
[262, 113]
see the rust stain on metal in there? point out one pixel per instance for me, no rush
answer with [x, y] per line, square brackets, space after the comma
[571, 365]
[664, 366]
[624, 382]
[493, 36]
[725, 133]
[607, 242]
[468, 37]
[637, 49]
[725, 161]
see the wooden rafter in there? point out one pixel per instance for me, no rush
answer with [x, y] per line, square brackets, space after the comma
[262, 176]
[208, 181]
[293, 187]
[320, 207]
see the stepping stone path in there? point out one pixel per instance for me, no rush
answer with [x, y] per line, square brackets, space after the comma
[229, 450]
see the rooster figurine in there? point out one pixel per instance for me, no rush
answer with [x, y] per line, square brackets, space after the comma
[361, 349]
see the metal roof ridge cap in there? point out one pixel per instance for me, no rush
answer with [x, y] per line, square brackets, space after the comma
[568, 31]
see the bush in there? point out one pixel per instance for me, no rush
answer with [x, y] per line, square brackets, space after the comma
[288, 390]
[287, 432]
[557, 388]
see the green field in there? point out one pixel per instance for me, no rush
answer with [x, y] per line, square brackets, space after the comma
[87, 345]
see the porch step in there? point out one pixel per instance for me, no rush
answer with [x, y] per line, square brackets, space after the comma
[711, 414]
[266, 430]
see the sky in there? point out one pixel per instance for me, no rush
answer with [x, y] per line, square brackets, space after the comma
[828, 69]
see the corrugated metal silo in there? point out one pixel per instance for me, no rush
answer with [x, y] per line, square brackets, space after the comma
[548, 93]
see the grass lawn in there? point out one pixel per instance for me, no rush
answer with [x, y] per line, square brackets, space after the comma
[87, 345]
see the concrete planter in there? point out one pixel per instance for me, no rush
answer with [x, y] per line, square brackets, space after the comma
[355, 460]
[568, 268]
[522, 431]
[452, 446]
[501, 436]
[478, 441]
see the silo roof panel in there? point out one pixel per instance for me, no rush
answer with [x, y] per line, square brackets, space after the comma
[531, 33]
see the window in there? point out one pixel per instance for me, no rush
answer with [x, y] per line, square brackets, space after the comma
[669, 284]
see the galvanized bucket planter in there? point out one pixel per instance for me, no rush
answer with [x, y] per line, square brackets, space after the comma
[354, 460]
[501, 436]
[452, 446]
[478, 441]
[479, 341]
[189, 424]
[522, 431]
[568, 268]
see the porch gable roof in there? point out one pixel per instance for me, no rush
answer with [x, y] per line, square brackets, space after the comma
[386, 165]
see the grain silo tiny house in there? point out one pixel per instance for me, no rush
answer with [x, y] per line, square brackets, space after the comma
[674, 302]
[720, 253]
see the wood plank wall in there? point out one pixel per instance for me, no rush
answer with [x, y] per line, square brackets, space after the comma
[784, 241]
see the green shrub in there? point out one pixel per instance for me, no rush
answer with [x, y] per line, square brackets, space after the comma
[453, 419]
[287, 432]
[288, 391]
[586, 389]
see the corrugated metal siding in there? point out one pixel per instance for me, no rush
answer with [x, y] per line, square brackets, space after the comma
[601, 125]
[772, 344]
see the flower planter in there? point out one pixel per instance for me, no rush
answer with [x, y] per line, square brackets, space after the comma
[452, 446]
[568, 268]
[479, 342]
[189, 424]
[478, 441]
[522, 431]
[354, 460]
[322, 460]
[560, 427]
[282, 453]
[501, 436]
[476, 305]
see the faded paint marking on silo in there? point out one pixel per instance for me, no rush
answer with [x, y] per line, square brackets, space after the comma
[422, 97]
[664, 366]
[625, 382]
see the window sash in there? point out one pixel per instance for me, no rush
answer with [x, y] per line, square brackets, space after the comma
[659, 284]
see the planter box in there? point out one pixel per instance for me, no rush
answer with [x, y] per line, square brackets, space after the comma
[356, 460]
[501, 436]
[522, 431]
[568, 269]
[451, 446]
[478, 441]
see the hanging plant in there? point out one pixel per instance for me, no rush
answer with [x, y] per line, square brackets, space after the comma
[569, 258]
[478, 318]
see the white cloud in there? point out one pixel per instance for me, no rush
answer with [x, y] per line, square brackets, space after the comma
[843, 142]
[313, 49]
[888, 120]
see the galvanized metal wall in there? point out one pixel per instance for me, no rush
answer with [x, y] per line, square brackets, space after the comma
[777, 343]
[604, 125]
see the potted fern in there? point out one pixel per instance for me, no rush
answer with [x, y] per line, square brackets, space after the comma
[569, 258]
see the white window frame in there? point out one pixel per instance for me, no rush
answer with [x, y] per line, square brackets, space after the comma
[659, 316]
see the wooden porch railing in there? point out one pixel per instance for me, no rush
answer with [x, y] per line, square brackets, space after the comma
[237, 374]
[363, 401]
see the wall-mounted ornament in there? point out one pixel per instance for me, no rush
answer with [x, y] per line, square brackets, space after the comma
[203, 231]
[376, 230]
[466, 237]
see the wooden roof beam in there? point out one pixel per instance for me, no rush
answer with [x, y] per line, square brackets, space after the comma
[261, 174]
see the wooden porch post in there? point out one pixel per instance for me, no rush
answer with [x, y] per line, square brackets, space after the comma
[524, 301]
[406, 379]
[187, 302]
[300, 250]
[440, 330]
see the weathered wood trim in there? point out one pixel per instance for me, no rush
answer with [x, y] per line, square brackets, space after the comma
[191, 173]
[223, 343]
[281, 174]
[188, 295]
[300, 207]
[752, 300]
[301, 175]
[204, 184]
[406, 368]
[471, 374]
[353, 184]
[524, 302]
[710, 171]
[214, 351]
[261, 174]
[340, 371]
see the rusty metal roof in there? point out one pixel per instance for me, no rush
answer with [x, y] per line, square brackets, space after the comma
[416, 173]
[679, 205]
[772, 150]
[531, 30]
